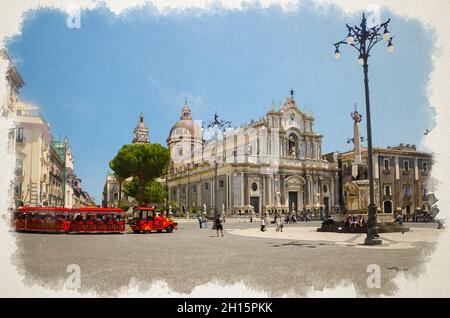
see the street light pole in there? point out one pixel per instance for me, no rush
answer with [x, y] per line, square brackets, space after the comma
[217, 125]
[363, 39]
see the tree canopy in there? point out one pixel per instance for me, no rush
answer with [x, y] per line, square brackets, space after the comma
[144, 163]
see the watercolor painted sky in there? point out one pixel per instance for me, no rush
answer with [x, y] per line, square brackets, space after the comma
[91, 82]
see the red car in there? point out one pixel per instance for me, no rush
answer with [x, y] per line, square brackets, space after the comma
[146, 219]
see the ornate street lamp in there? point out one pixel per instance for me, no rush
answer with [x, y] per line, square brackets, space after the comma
[217, 126]
[363, 40]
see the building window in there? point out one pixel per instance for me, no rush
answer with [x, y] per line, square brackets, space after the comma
[194, 189]
[387, 190]
[292, 145]
[406, 165]
[18, 188]
[221, 183]
[325, 188]
[254, 186]
[407, 190]
[19, 135]
[206, 186]
[115, 196]
[19, 167]
[425, 166]
[387, 166]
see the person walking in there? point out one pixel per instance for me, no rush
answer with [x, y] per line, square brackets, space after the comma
[279, 222]
[199, 219]
[205, 220]
[219, 225]
[263, 223]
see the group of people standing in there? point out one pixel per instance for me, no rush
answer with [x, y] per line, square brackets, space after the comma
[279, 222]
[354, 221]
[218, 222]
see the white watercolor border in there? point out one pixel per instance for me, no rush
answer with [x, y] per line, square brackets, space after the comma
[431, 14]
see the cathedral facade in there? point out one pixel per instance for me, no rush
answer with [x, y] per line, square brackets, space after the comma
[271, 165]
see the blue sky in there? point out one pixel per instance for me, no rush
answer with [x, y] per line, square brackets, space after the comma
[92, 82]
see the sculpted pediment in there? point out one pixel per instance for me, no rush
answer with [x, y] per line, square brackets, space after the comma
[293, 118]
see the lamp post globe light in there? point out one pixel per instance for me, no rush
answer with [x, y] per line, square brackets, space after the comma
[217, 126]
[363, 40]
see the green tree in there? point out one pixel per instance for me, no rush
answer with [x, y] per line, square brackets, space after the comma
[122, 167]
[154, 191]
[131, 188]
[144, 163]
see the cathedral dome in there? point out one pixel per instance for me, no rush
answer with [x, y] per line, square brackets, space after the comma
[186, 125]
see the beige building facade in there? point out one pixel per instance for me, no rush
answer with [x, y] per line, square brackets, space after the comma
[33, 157]
[7, 115]
[272, 165]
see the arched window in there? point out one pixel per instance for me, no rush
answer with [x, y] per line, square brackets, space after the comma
[292, 145]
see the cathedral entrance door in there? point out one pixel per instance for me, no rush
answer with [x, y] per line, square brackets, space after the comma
[254, 201]
[293, 202]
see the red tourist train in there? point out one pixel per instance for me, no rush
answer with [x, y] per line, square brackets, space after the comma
[147, 219]
[63, 220]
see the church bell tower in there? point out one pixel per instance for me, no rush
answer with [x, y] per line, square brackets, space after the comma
[140, 132]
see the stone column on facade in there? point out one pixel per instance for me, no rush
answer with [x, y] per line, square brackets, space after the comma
[241, 189]
[397, 169]
[416, 169]
[416, 184]
[397, 183]
[236, 190]
[263, 193]
[245, 190]
[311, 190]
[332, 195]
[270, 192]
[376, 172]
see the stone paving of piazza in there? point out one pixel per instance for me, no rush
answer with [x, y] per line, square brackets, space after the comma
[287, 263]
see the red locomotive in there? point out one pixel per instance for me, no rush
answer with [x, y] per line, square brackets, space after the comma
[147, 219]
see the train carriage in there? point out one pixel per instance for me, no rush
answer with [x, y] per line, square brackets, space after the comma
[42, 219]
[85, 220]
[97, 220]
